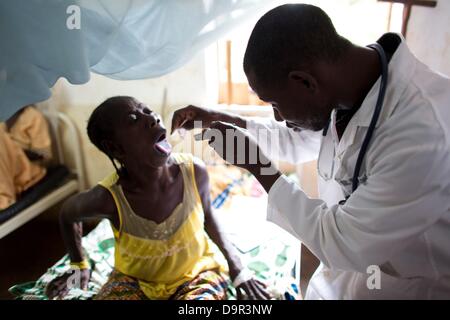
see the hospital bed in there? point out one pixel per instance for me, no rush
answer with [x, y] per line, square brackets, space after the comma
[62, 179]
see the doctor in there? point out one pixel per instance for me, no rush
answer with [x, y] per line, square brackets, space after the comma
[382, 226]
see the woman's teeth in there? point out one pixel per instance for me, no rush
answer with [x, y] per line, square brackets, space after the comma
[163, 146]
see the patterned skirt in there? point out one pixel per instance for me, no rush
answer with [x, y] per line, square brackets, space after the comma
[208, 285]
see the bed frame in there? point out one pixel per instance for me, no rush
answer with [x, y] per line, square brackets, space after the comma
[75, 183]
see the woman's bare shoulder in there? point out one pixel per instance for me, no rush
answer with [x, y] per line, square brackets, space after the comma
[95, 202]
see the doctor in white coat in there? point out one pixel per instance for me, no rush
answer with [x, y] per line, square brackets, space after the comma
[386, 233]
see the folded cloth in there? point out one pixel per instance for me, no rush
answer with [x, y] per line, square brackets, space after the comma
[29, 132]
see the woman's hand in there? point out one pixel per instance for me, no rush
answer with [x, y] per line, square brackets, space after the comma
[247, 287]
[60, 286]
[252, 290]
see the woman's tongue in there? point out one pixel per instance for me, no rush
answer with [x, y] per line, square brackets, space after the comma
[163, 146]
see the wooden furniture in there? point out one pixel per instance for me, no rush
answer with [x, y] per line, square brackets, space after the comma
[407, 7]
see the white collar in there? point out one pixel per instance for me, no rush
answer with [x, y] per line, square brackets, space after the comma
[400, 70]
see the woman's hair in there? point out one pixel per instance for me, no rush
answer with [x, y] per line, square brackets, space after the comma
[102, 123]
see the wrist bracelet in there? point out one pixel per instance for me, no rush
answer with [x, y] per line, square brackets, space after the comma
[80, 265]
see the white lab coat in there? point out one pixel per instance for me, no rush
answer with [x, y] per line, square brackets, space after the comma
[399, 217]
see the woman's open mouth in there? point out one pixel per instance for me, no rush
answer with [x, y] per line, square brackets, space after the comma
[162, 146]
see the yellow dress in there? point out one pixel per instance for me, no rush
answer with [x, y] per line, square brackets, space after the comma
[163, 256]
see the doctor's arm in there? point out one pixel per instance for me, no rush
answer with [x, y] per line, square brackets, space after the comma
[400, 200]
[279, 142]
[276, 140]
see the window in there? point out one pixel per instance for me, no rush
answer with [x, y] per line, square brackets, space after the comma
[361, 21]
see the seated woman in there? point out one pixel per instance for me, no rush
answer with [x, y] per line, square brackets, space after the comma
[159, 207]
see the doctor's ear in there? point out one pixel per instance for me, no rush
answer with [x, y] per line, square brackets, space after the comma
[304, 79]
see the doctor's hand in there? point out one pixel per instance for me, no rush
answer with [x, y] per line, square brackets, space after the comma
[184, 118]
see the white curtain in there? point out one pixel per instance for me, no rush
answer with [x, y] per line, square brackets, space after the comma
[121, 39]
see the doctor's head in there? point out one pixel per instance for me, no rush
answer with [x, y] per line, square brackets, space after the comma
[287, 63]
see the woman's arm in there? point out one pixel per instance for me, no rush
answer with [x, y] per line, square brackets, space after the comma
[253, 288]
[92, 204]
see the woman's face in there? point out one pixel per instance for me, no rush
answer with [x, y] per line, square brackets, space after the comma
[140, 136]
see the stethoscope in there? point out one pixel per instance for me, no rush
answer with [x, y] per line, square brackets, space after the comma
[375, 116]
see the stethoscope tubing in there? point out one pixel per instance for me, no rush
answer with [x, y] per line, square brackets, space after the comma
[376, 113]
